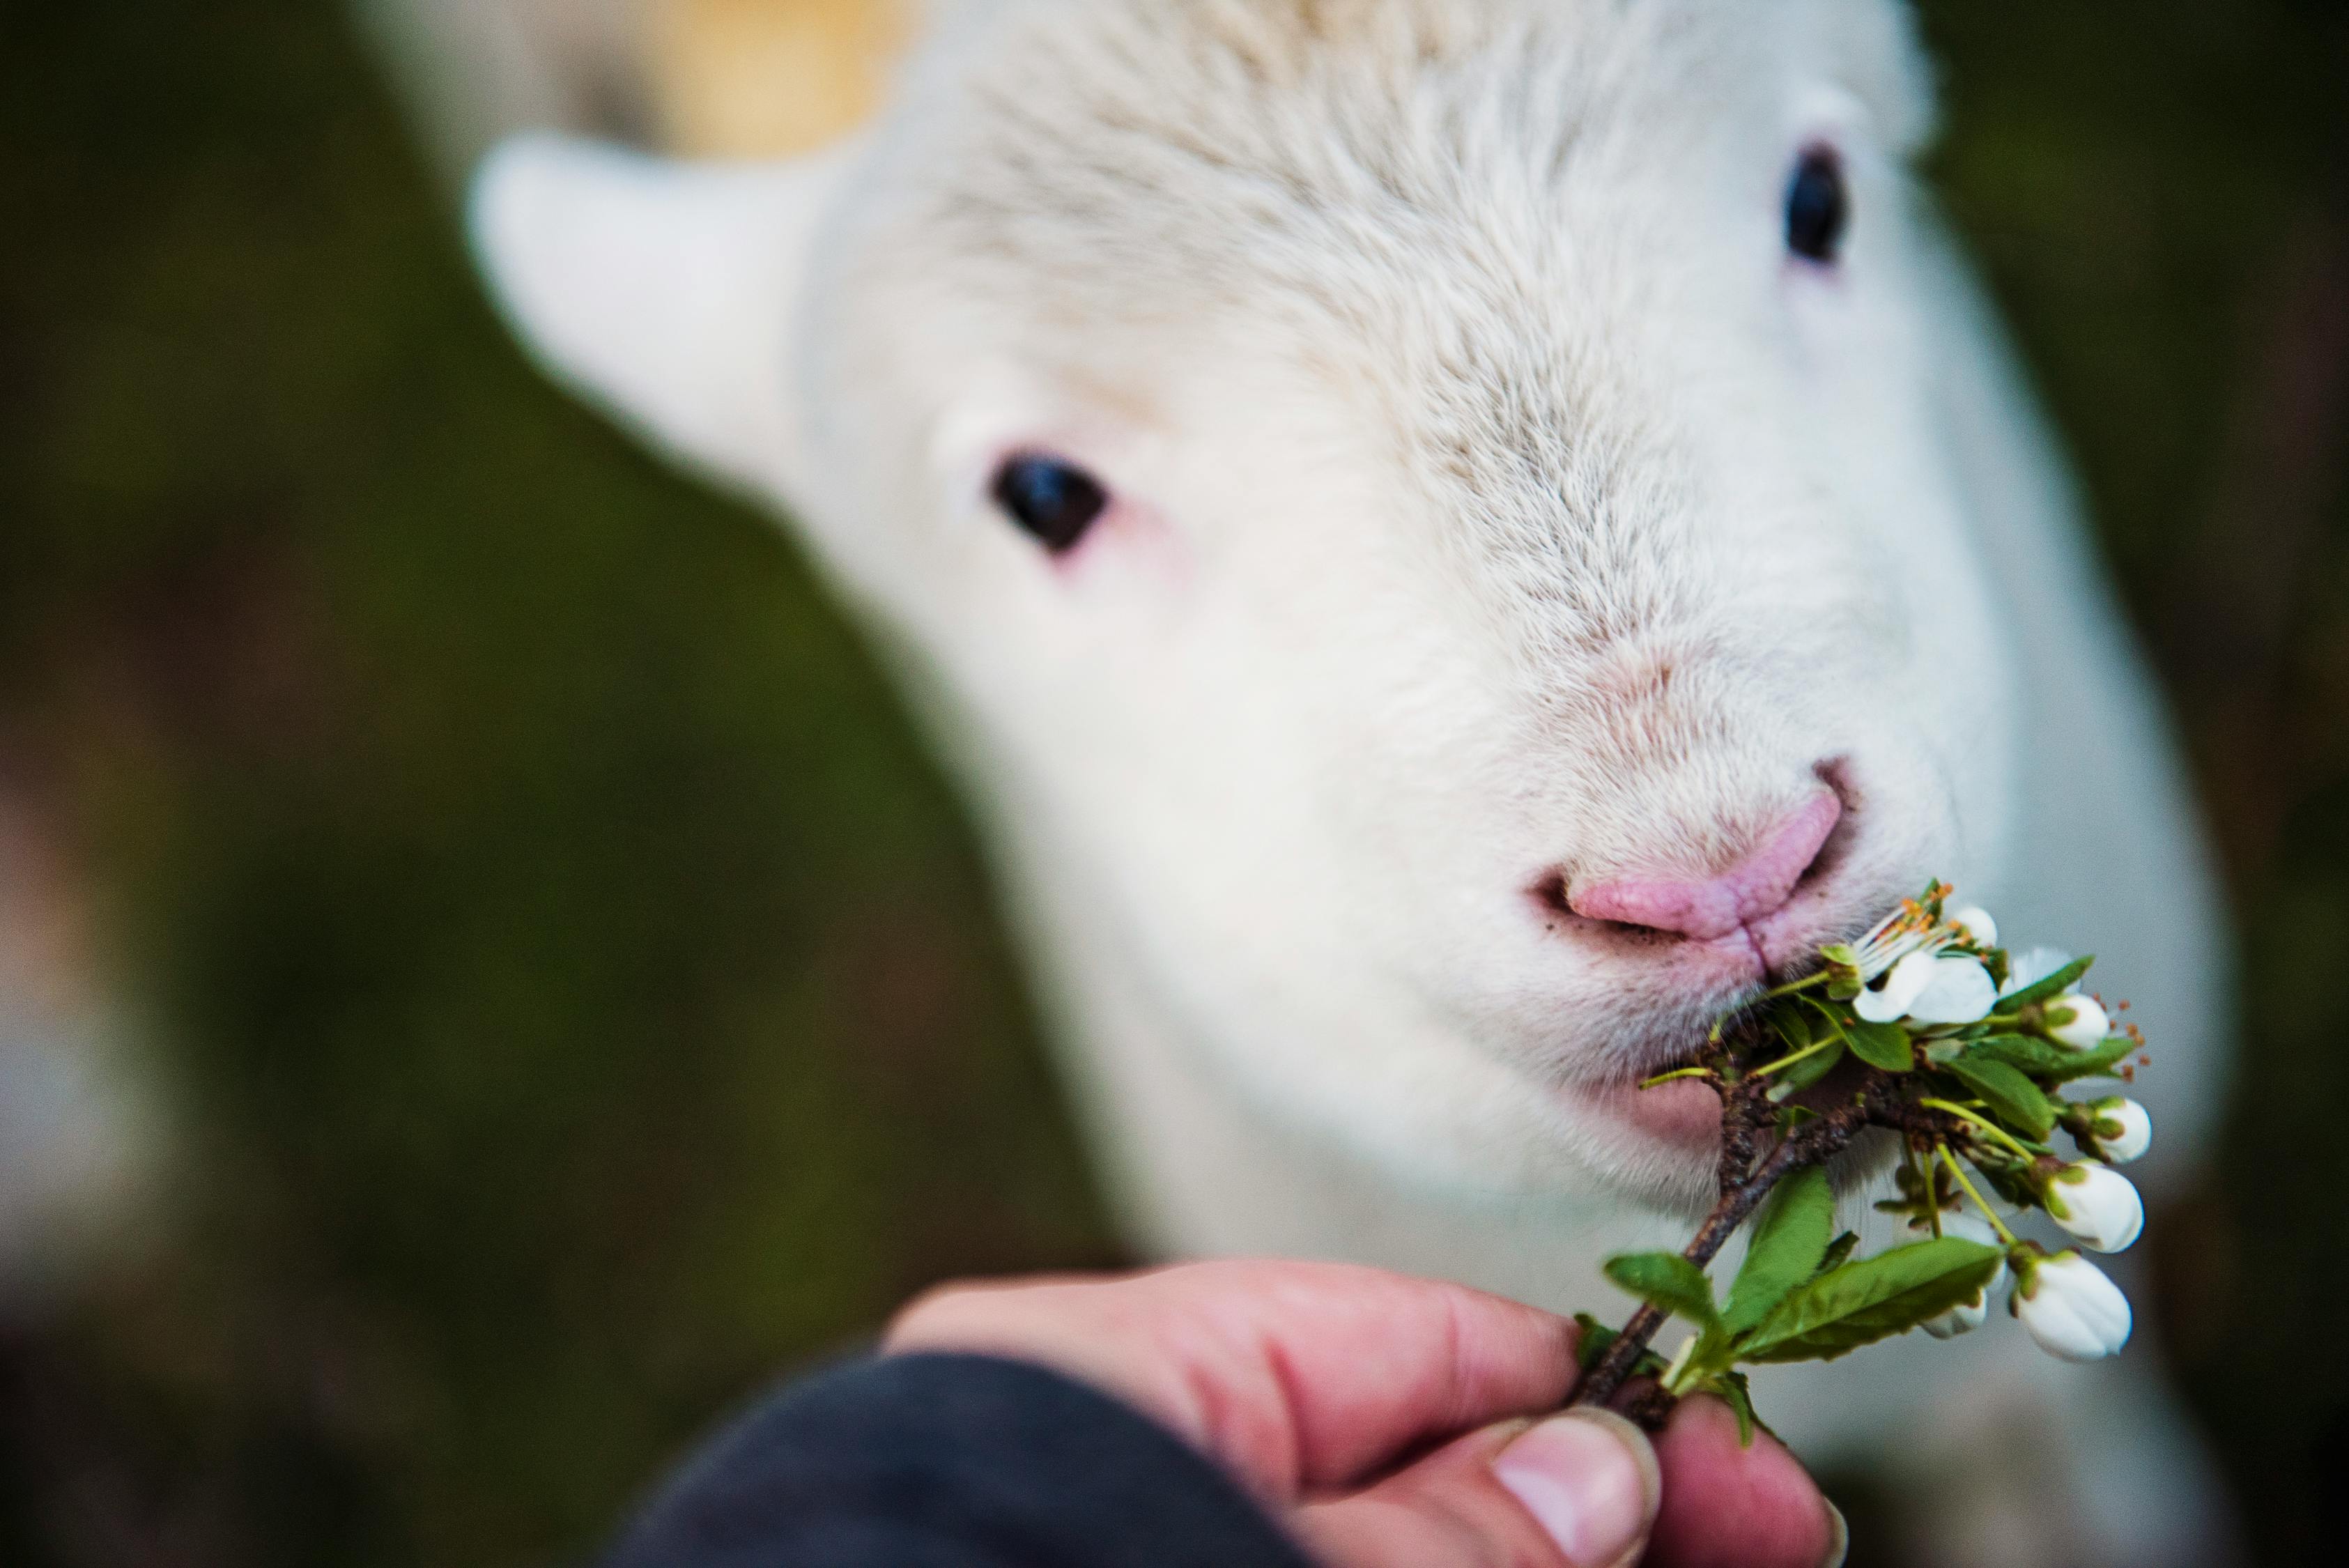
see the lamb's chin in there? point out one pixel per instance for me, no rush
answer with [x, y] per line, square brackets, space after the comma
[1655, 1149]
[1681, 1118]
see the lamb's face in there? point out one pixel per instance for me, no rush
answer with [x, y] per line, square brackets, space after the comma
[1434, 516]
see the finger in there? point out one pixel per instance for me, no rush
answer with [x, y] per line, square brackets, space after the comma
[1297, 1376]
[1729, 1506]
[1579, 1491]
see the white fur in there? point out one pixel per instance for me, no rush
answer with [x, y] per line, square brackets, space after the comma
[1494, 497]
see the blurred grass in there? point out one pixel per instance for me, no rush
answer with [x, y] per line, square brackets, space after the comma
[576, 983]
[577, 987]
[2160, 193]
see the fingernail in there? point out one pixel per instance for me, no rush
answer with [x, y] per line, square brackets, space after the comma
[1590, 1478]
[1838, 1538]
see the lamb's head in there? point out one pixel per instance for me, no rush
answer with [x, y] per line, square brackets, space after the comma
[1428, 516]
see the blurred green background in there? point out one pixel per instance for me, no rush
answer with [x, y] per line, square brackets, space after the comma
[572, 989]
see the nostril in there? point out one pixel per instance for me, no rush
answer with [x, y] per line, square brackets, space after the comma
[1708, 907]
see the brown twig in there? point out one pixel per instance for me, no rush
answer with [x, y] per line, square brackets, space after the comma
[1742, 1118]
[1819, 1141]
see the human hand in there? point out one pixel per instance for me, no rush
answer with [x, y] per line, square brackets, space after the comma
[1391, 1422]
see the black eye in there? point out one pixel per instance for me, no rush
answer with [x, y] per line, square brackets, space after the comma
[1818, 208]
[1053, 500]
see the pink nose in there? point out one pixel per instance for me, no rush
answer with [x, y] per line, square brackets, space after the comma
[1705, 907]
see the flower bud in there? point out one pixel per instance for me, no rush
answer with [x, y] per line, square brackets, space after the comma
[1964, 1318]
[2120, 1129]
[1975, 922]
[2071, 1309]
[2076, 1020]
[2097, 1204]
[1968, 1315]
[1844, 978]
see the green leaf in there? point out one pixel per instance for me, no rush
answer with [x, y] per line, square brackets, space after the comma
[1596, 1339]
[2011, 1097]
[1884, 1045]
[2026, 1053]
[1794, 1029]
[2095, 1062]
[1669, 1281]
[2045, 1059]
[1794, 1080]
[1872, 1299]
[1731, 1389]
[2055, 984]
[1790, 1236]
[1591, 1344]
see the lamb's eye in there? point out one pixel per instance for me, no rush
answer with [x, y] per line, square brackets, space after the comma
[1052, 499]
[1818, 208]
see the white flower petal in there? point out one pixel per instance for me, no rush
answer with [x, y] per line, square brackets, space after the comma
[1968, 1315]
[1975, 922]
[1964, 1318]
[1959, 991]
[1902, 984]
[2033, 965]
[1876, 1008]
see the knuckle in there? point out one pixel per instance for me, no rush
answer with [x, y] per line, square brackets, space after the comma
[931, 1316]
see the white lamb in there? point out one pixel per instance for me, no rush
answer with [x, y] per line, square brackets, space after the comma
[1448, 539]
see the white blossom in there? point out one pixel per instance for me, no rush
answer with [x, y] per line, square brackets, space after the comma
[2120, 1128]
[2095, 1203]
[1975, 922]
[1930, 989]
[1961, 991]
[2071, 1309]
[1908, 929]
[1968, 1315]
[2076, 1020]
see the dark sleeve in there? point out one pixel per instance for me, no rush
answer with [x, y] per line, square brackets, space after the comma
[950, 1461]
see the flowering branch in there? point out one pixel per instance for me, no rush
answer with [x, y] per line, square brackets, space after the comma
[1960, 1050]
[1814, 1145]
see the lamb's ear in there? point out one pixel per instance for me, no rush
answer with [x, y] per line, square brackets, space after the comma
[666, 292]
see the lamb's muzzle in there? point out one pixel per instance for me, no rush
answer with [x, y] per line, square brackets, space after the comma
[1739, 898]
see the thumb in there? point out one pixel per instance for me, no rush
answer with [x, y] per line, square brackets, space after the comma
[1576, 1490]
